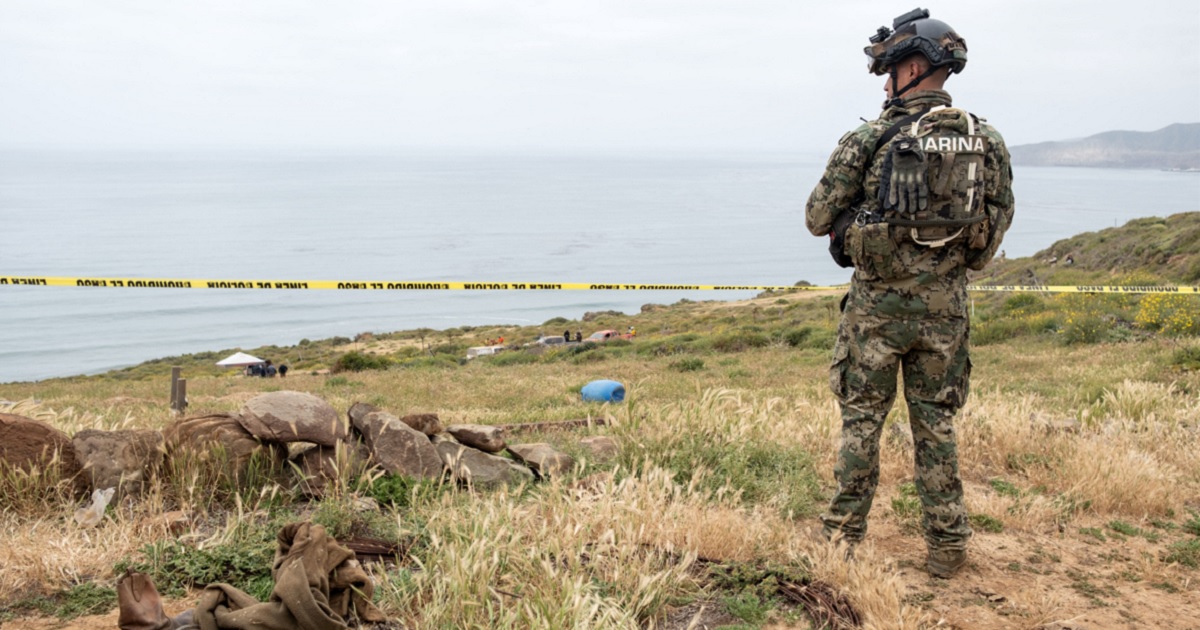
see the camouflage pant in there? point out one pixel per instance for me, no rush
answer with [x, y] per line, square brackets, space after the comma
[933, 354]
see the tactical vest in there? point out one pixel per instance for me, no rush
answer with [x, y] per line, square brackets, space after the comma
[943, 153]
[938, 156]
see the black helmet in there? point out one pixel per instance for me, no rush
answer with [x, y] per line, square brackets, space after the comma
[915, 32]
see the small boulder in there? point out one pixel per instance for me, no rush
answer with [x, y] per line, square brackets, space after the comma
[438, 438]
[545, 460]
[395, 446]
[478, 469]
[284, 417]
[427, 423]
[124, 460]
[320, 465]
[26, 443]
[600, 447]
[486, 438]
[199, 434]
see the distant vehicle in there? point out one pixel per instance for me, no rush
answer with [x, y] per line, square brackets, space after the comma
[553, 341]
[607, 335]
[481, 351]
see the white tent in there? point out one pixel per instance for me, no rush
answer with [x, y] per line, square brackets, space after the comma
[239, 359]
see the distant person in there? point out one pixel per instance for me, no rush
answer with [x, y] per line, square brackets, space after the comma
[1070, 260]
[283, 371]
[566, 335]
[266, 370]
[578, 335]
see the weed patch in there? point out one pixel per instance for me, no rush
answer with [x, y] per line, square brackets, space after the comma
[1185, 552]
[689, 364]
[77, 601]
[987, 523]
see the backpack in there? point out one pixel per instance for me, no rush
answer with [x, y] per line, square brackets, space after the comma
[931, 193]
[932, 179]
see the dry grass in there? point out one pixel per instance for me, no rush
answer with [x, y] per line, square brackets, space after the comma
[1052, 441]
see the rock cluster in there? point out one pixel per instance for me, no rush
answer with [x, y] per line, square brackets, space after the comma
[324, 446]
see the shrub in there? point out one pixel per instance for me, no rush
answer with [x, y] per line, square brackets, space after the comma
[688, 364]
[739, 341]
[1023, 302]
[404, 492]
[438, 361]
[358, 361]
[797, 336]
[675, 344]
[512, 358]
[1169, 313]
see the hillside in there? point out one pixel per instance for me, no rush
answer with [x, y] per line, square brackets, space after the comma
[1160, 250]
[1077, 452]
[1175, 147]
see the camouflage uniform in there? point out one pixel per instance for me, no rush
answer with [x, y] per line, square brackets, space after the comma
[916, 322]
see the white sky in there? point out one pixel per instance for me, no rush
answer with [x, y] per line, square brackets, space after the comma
[564, 74]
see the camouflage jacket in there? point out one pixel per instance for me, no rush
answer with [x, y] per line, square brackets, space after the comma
[935, 280]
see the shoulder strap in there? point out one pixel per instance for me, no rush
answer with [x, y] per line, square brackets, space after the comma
[891, 132]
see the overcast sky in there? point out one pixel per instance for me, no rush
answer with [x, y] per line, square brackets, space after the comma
[561, 74]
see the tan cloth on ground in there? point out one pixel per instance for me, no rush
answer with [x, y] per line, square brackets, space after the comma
[319, 585]
[139, 603]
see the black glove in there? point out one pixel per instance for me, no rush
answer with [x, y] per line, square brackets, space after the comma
[907, 189]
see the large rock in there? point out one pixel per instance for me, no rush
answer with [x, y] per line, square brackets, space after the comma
[486, 438]
[201, 433]
[320, 465]
[427, 423]
[395, 446]
[124, 460]
[478, 469]
[284, 417]
[26, 443]
[544, 459]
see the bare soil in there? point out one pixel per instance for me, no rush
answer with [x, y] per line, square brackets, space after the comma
[1054, 580]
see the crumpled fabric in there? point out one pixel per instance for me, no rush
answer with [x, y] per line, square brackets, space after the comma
[140, 604]
[319, 585]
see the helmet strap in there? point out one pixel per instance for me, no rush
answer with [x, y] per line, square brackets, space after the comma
[898, 92]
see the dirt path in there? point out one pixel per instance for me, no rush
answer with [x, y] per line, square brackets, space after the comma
[1032, 580]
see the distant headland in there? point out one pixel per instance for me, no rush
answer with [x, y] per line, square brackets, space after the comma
[1175, 147]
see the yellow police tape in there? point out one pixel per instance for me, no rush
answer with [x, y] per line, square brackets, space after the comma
[176, 283]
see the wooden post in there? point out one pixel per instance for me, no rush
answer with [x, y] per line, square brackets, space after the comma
[181, 395]
[175, 373]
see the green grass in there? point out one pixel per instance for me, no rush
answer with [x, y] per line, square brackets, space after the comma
[79, 600]
[1185, 552]
[174, 566]
[986, 523]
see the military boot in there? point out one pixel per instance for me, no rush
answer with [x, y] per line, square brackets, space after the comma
[944, 563]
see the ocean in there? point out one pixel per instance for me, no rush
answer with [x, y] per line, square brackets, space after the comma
[720, 219]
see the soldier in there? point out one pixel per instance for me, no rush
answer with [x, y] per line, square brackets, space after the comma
[912, 199]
